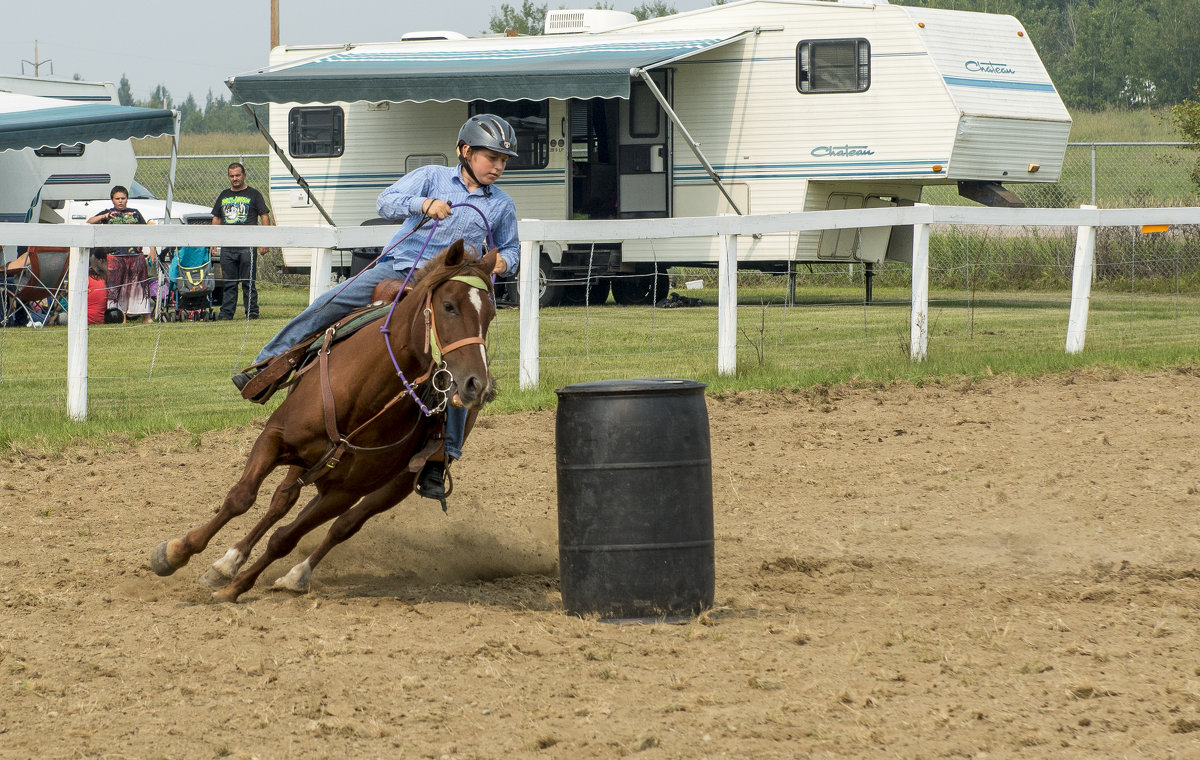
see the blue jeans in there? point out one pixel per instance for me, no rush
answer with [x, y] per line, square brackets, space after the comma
[337, 303]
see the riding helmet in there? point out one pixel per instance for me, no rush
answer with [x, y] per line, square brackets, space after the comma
[487, 130]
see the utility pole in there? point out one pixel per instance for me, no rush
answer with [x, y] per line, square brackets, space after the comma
[37, 65]
[274, 24]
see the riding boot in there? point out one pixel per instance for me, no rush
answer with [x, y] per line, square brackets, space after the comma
[434, 482]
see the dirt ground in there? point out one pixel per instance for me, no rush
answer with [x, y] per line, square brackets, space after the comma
[995, 569]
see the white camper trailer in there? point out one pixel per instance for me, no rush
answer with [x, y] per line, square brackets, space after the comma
[37, 181]
[756, 106]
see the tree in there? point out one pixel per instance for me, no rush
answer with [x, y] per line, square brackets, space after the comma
[160, 98]
[124, 95]
[654, 9]
[1186, 116]
[531, 19]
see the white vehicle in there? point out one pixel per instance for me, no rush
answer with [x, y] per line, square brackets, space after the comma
[755, 106]
[152, 209]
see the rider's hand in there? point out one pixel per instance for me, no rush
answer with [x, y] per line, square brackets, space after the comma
[438, 209]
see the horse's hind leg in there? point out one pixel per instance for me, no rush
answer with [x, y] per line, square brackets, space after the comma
[223, 570]
[322, 508]
[171, 555]
[379, 500]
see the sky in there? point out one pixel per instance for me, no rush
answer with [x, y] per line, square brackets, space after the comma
[191, 47]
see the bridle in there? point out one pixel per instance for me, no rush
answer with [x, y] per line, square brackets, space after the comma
[440, 378]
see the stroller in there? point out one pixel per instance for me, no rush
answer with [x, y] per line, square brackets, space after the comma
[192, 285]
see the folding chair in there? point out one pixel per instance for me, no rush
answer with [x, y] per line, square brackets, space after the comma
[37, 275]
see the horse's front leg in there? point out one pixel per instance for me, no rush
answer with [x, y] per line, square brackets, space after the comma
[171, 555]
[323, 507]
[223, 570]
[379, 500]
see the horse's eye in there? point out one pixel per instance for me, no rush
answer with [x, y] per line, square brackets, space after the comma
[448, 307]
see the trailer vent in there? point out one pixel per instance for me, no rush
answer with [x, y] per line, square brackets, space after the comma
[417, 161]
[588, 20]
[432, 35]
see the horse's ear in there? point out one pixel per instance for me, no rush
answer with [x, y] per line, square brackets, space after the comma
[489, 260]
[455, 253]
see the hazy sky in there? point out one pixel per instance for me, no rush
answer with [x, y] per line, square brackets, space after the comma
[193, 46]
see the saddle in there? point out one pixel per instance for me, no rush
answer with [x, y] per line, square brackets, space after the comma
[284, 370]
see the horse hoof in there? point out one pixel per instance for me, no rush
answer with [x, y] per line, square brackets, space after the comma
[227, 594]
[296, 580]
[159, 562]
[215, 579]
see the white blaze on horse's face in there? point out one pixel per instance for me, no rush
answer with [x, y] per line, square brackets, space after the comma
[477, 301]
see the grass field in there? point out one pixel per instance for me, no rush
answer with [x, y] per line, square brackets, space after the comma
[152, 378]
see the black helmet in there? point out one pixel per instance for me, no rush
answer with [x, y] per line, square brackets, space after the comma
[489, 131]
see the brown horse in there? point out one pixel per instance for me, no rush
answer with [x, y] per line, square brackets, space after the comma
[357, 388]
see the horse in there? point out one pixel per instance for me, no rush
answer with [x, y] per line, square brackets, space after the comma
[436, 333]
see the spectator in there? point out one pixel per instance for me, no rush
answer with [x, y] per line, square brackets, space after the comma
[97, 290]
[240, 204]
[128, 274]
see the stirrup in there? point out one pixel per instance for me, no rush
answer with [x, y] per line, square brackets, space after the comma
[434, 482]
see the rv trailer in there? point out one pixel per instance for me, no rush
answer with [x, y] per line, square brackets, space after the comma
[757, 106]
[69, 181]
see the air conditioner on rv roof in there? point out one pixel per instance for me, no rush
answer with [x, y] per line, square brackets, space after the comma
[564, 21]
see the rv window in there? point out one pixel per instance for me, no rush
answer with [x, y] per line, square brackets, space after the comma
[644, 111]
[60, 151]
[316, 132]
[833, 66]
[531, 122]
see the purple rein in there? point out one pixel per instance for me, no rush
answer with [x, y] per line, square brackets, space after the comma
[384, 327]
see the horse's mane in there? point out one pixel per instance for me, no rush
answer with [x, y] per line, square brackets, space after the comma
[438, 271]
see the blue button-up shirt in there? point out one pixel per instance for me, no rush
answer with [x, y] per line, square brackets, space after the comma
[403, 200]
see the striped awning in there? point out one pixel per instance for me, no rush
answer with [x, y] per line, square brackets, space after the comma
[35, 122]
[489, 68]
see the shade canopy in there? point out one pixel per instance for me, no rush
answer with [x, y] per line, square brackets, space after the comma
[490, 68]
[27, 121]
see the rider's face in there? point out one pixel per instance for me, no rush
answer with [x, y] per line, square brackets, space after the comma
[487, 164]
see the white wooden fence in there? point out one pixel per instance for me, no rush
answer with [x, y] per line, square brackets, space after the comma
[321, 240]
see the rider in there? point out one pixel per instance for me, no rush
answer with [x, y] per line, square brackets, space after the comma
[485, 144]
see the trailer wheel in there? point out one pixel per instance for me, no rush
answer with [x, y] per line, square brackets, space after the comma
[640, 288]
[577, 295]
[550, 293]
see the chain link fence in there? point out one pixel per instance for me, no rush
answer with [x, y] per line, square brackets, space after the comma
[1108, 175]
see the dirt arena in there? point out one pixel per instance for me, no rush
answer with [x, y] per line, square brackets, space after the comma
[996, 569]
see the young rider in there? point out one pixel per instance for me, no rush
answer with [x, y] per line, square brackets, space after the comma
[485, 144]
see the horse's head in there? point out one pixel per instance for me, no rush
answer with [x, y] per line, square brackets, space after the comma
[455, 290]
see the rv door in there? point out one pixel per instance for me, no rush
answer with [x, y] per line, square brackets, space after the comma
[644, 151]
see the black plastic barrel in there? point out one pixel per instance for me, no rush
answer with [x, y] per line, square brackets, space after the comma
[635, 517]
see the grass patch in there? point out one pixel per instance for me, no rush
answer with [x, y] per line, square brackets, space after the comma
[148, 379]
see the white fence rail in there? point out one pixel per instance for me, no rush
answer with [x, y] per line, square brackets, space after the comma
[321, 239]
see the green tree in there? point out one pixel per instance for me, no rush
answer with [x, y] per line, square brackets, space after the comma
[124, 94]
[160, 97]
[654, 9]
[531, 19]
[1186, 116]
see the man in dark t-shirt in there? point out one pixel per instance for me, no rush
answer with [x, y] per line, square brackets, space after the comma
[240, 204]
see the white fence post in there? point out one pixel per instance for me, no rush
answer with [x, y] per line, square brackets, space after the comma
[527, 292]
[918, 335]
[1081, 286]
[321, 273]
[77, 335]
[727, 306]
